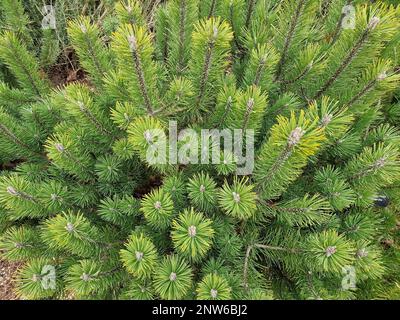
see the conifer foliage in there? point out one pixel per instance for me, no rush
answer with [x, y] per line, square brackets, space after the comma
[91, 216]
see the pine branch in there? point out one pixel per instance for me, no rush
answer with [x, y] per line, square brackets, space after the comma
[89, 115]
[14, 139]
[182, 17]
[350, 57]
[93, 55]
[265, 247]
[368, 87]
[22, 64]
[227, 111]
[304, 73]
[206, 69]
[250, 10]
[139, 71]
[289, 38]
[133, 48]
[383, 78]
[213, 5]
[21, 194]
[210, 51]
[338, 29]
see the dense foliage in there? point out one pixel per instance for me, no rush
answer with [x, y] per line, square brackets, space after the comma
[78, 192]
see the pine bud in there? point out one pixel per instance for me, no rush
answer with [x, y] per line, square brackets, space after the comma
[326, 119]
[263, 59]
[202, 188]
[192, 231]
[215, 33]
[148, 136]
[172, 276]
[236, 197]
[81, 106]
[373, 23]
[83, 28]
[380, 163]
[214, 293]
[157, 205]
[35, 278]
[18, 245]
[250, 104]
[59, 147]
[362, 253]
[330, 251]
[12, 191]
[139, 255]
[132, 42]
[295, 136]
[85, 277]
[70, 227]
[382, 76]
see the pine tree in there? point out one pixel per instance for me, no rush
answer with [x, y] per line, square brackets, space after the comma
[89, 189]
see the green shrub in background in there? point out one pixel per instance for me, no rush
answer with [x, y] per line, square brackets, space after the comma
[321, 205]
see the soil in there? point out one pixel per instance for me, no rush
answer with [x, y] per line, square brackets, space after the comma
[7, 278]
[153, 182]
[66, 71]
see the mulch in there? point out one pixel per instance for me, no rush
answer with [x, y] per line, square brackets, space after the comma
[66, 70]
[7, 276]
